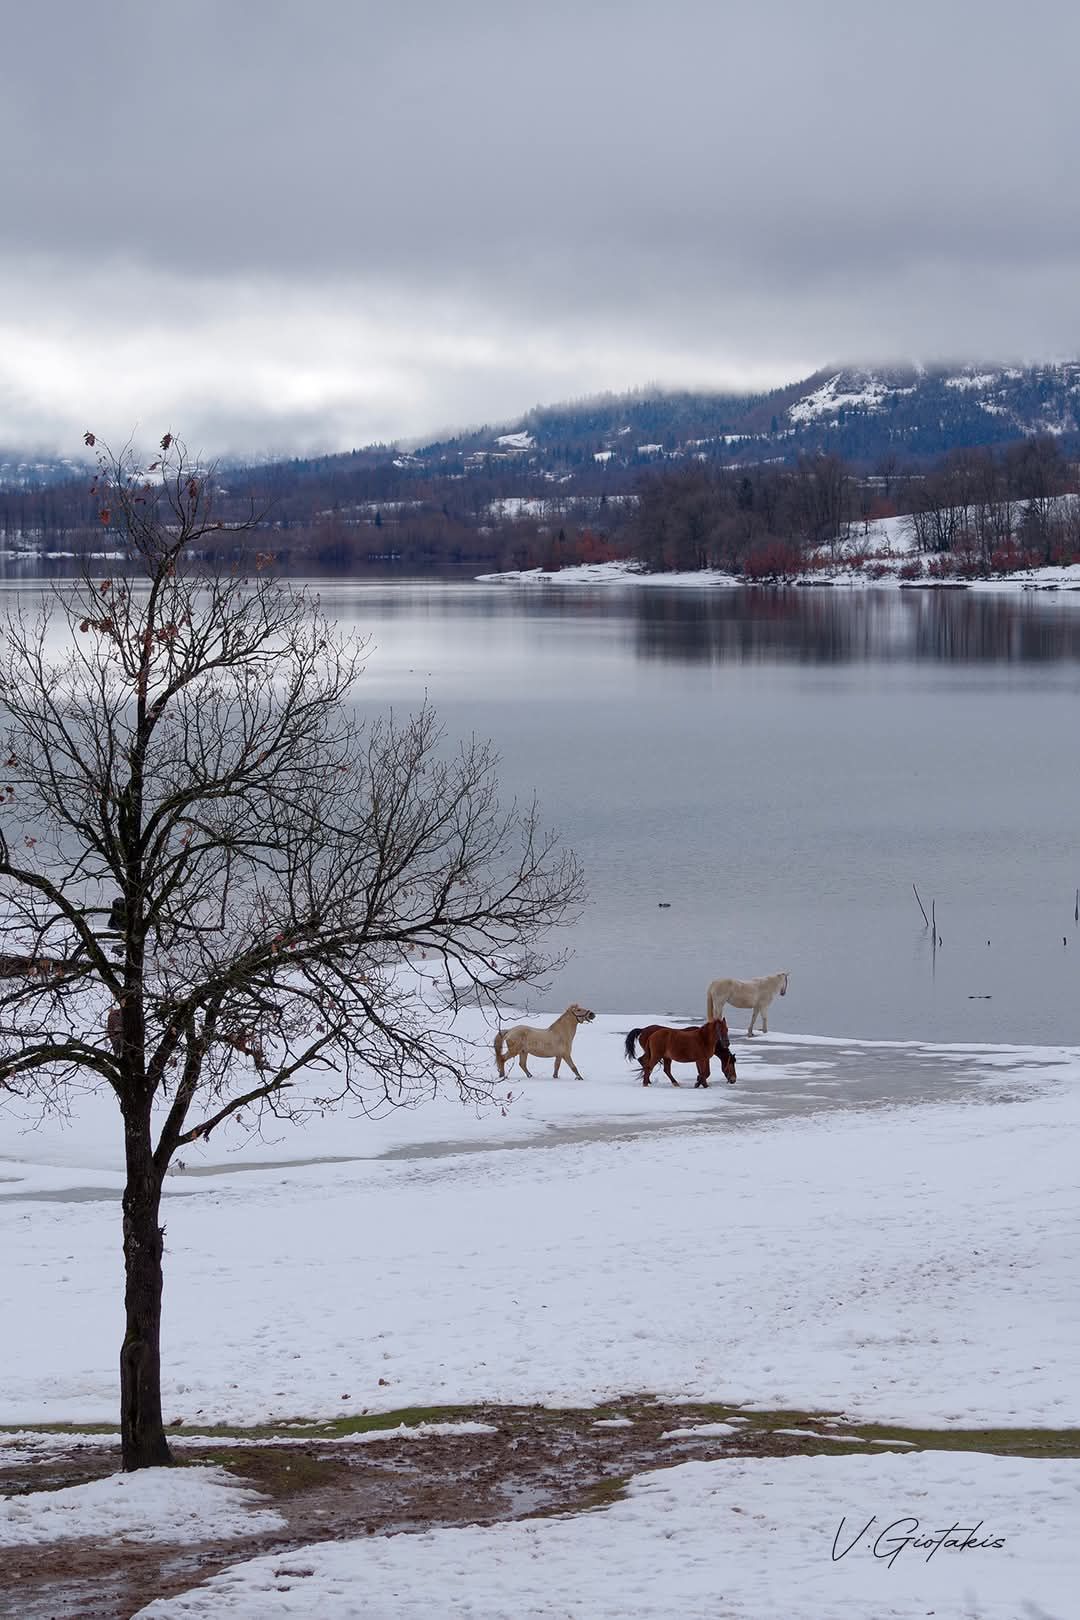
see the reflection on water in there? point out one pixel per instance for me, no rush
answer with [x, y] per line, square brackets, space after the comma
[833, 626]
[813, 625]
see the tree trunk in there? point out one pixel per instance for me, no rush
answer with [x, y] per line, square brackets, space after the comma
[142, 1432]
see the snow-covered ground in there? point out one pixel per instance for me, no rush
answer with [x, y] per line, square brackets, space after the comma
[160, 1504]
[805, 1538]
[886, 1230]
[779, 1243]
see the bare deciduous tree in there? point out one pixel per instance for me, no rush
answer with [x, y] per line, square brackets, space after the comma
[216, 880]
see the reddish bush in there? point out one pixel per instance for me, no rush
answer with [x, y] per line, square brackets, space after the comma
[912, 569]
[1007, 558]
[772, 559]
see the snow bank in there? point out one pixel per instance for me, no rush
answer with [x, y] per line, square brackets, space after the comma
[155, 1504]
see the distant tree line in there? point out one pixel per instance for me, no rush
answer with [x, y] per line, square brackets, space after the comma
[975, 509]
[978, 510]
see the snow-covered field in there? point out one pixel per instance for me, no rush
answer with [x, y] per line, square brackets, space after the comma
[775, 1244]
[810, 1239]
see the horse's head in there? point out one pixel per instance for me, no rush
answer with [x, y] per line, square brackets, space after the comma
[581, 1014]
[727, 1058]
[783, 984]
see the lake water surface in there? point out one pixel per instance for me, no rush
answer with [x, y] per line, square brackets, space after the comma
[779, 767]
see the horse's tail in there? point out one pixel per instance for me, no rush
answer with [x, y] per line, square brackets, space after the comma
[500, 1042]
[714, 1006]
[630, 1040]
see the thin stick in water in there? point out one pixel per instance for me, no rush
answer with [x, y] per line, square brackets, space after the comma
[926, 919]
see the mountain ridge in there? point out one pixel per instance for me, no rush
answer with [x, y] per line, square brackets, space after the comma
[864, 414]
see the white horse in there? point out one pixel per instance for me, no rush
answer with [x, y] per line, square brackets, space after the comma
[554, 1042]
[753, 993]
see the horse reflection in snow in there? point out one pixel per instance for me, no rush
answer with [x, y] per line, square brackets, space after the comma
[524, 1041]
[753, 993]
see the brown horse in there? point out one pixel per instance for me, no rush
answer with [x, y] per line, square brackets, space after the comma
[660, 1044]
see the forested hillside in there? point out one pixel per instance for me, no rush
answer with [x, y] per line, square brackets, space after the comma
[615, 476]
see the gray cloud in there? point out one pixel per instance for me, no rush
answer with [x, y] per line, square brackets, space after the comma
[324, 223]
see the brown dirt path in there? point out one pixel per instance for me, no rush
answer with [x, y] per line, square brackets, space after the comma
[329, 1489]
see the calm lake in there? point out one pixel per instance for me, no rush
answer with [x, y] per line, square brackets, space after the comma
[779, 767]
[754, 779]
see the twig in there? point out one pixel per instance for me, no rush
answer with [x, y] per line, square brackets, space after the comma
[926, 919]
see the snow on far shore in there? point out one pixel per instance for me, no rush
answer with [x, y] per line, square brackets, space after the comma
[800, 1538]
[839, 574]
[155, 1504]
[610, 573]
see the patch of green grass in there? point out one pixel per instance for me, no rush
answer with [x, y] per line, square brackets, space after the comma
[1000, 1442]
[592, 1500]
[278, 1473]
[832, 1426]
[370, 1422]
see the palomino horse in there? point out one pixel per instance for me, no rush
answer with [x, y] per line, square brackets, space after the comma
[30, 967]
[663, 1045]
[753, 993]
[554, 1042]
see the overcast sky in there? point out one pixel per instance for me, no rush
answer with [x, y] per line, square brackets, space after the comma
[280, 225]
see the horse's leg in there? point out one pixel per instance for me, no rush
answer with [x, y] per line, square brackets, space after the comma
[555, 1070]
[765, 1019]
[753, 1014]
[702, 1074]
[646, 1070]
[574, 1066]
[522, 1055]
[667, 1071]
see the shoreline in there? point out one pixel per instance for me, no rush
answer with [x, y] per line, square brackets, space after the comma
[1050, 579]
